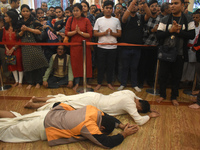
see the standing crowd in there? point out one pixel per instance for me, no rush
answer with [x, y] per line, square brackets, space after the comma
[136, 22]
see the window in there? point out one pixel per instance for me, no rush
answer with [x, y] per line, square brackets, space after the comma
[63, 3]
[196, 5]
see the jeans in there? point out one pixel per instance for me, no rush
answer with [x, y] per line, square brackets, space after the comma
[130, 59]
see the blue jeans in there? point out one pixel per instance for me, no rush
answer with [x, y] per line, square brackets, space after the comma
[130, 59]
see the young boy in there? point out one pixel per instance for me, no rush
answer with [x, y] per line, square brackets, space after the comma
[68, 12]
[107, 29]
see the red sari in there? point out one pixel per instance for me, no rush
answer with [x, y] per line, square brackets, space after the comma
[10, 36]
[76, 52]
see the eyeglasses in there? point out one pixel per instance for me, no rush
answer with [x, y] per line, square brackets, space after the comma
[118, 7]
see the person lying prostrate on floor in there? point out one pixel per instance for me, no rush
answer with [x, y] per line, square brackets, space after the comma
[117, 103]
[54, 125]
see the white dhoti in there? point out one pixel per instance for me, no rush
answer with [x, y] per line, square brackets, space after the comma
[26, 128]
[117, 103]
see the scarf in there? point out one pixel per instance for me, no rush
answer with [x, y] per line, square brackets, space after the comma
[55, 62]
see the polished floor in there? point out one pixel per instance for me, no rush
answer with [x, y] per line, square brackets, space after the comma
[176, 129]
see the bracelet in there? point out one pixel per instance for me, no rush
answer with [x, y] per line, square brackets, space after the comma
[14, 48]
[128, 10]
[82, 33]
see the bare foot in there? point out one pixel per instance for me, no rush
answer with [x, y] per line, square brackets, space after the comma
[19, 85]
[75, 87]
[160, 99]
[194, 106]
[34, 99]
[175, 102]
[14, 85]
[28, 104]
[195, 92]
[110, 87]
[29, 87]
[88, 86]
[193, 99]
[37, 86]
[97, 87]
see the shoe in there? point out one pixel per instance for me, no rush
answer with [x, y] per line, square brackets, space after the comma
[137, 89]
[120, 88]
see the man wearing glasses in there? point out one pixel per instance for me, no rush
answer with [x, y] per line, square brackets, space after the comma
[118, 10]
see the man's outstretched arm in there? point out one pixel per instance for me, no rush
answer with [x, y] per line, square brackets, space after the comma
[112, 141]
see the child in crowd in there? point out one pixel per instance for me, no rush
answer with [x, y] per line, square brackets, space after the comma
[9, 35]
[52, 38]
[33, 57]
[59, 23]
[68, 12]
[4, 6]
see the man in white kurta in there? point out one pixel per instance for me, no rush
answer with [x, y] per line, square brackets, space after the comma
[117, 103]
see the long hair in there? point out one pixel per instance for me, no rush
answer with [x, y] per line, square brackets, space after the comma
[14, 19]
[79, 6]
[85, 2]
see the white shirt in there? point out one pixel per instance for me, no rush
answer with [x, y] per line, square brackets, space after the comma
[117, 103]
[101, 25]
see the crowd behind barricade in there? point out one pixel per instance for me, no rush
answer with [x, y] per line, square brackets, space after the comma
[168, 26]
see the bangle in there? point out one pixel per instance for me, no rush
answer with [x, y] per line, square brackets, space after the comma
[82, 33]
[128, 10]
[14, 48]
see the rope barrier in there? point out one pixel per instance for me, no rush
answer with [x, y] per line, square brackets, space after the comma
[74, 44]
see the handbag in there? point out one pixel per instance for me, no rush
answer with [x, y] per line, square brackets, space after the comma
[168, 51]
[43, 37]
[10, 60]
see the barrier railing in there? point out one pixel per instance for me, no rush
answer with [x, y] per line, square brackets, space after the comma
[84, 44]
